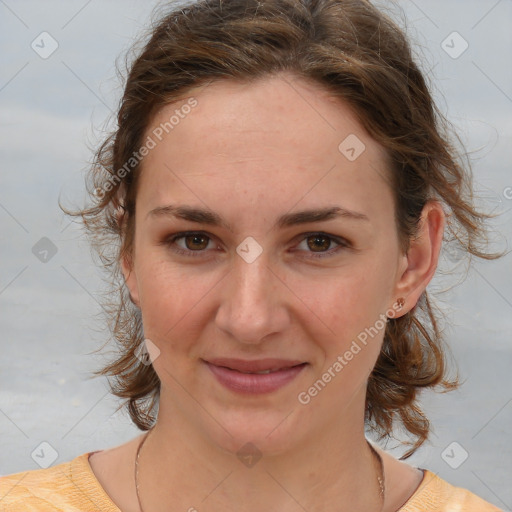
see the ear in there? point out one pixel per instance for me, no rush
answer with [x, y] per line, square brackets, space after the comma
[420, 262]
[130, 278]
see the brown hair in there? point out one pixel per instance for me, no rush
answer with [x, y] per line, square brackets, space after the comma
[360, 55]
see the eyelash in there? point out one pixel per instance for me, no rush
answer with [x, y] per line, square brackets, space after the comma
[342, 244]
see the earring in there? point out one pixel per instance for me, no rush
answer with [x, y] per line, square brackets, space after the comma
[400, 302]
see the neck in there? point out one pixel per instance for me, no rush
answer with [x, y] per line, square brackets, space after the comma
[181, 468]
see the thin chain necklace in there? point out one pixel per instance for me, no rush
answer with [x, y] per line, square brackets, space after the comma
[380, 475]
[378, 458]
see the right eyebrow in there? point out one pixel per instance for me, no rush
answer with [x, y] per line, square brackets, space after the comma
[206, 216]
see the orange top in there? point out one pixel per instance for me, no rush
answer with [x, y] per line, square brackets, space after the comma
[73, 487]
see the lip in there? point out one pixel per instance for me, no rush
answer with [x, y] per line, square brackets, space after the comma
[256, 365]
[228, 372]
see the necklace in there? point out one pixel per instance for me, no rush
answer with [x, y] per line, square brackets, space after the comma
[377, 457]
[141, 444]
[380, 475]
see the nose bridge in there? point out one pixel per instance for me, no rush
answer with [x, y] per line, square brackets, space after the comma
[252, 281]
[250, 308]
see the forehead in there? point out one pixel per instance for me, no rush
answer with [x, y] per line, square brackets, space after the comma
[276, 139]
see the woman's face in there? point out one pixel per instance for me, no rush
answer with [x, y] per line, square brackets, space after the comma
[257, 280]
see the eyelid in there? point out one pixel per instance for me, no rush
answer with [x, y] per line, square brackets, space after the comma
[183, 234]
[342, 243]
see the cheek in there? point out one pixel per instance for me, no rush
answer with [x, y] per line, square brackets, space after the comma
[170, 300]
[349, 301]
[352, 310]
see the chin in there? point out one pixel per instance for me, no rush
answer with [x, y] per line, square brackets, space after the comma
[264, 433]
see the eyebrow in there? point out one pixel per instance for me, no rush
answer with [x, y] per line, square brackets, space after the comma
[206, 216]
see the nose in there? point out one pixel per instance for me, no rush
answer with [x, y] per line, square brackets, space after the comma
[253, 302]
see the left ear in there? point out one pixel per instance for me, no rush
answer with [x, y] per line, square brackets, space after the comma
[421, 259]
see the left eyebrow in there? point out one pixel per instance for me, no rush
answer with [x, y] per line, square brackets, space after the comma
[319, 215]
[205, 216]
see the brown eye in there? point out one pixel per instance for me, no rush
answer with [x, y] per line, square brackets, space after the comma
[319, 242]
[196, 242]
[318, 245]
[189, 243]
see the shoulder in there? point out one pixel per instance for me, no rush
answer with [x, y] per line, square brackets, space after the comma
[69, 486]
[436, 495]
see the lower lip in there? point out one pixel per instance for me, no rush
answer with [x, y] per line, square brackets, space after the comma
[254, 383]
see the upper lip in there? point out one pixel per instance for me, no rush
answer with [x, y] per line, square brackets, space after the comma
[257, 365]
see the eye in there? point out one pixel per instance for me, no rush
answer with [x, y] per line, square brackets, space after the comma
[195, 244]
[318, 242]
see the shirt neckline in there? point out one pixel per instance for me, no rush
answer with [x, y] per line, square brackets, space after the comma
[88, 483]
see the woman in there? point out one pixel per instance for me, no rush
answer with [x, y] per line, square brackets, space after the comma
[274, 202]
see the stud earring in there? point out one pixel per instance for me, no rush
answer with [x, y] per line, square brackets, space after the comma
[400, 302]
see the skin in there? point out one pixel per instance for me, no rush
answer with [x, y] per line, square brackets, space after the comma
[271, 147]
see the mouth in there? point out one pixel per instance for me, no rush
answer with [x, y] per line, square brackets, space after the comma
[258, 376]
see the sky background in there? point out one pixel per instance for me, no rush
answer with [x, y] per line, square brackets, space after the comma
[53, 109]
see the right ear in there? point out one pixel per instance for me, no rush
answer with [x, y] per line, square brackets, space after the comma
[130, 278]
